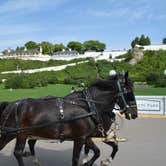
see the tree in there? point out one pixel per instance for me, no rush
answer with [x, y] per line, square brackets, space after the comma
[58, 47]
[94, 45]
[147, 41]
[47, 48]
[74, 45]
[31, 45]
[134, 42]
[164, 40]
[141, 41]
[20, 48]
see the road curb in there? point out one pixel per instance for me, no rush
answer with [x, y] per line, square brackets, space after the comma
[155, 116]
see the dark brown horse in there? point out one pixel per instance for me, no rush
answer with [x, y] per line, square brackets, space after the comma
[76, 117]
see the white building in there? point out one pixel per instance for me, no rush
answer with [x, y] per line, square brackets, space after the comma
[105, 55]
[32, 54]
[152, 47]
[25, 52]
[65, 55]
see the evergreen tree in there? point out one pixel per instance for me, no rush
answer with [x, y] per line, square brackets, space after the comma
[164, 40]
[141, 41]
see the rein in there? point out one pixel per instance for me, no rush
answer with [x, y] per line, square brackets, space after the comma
[88, 99]
[121, 94]
[8, 130]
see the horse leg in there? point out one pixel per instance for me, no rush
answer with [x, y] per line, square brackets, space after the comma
[31, 143]
[108, 161]
[86, 152]
[18, 151]
[90, 145]
[78, 143]
[35, 160]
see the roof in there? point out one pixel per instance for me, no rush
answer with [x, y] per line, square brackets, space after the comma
[22, 52]
[66, 53]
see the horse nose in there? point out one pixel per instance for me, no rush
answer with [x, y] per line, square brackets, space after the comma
[134, 116]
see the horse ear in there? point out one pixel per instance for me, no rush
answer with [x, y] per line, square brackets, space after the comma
[126, 74]
[116, 77]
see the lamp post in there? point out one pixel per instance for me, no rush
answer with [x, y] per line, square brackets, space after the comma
[165, 72]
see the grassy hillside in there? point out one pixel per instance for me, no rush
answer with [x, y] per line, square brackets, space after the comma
[13, 64]
[149, 69]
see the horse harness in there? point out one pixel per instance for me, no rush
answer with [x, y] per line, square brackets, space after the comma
[59, 102]
[93, 113]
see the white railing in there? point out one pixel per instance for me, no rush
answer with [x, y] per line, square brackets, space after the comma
[151, 104]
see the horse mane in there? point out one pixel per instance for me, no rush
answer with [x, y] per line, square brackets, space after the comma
[3, 105]
[105, 85]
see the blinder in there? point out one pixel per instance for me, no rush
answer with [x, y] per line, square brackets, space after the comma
[121, 94]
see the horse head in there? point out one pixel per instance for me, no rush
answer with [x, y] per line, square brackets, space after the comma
[126, 98]
[118, 89]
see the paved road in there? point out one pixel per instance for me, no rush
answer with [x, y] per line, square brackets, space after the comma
[146, 146]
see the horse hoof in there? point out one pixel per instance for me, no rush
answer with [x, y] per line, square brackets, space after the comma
[86, 164]
[84, 160]
[105, 162]
[36, 161]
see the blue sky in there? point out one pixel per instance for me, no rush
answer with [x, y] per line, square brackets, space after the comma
[114, 22]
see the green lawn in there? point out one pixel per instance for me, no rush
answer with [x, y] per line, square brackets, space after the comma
[60, 90]
[150, 91]
[56, 90]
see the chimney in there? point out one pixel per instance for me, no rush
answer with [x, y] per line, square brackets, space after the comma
[8, 50]
[40, 49]
[25, 48]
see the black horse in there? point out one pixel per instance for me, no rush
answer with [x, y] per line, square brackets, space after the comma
[77, 117]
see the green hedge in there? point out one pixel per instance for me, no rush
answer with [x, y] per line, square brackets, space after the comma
[23, 81]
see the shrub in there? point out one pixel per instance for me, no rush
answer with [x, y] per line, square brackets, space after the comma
[152, 78]
[23, 81]
[161, 82]
[69, 81]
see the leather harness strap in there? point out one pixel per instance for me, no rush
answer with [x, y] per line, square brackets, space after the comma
[92, 108]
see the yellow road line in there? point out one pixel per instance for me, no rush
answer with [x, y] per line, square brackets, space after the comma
[152, 116]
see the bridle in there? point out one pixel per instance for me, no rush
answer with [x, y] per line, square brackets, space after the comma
[121, 94]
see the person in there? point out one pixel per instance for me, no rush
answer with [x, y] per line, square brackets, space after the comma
[72, 90]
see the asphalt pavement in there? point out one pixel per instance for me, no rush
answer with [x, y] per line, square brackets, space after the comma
[146, 146]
